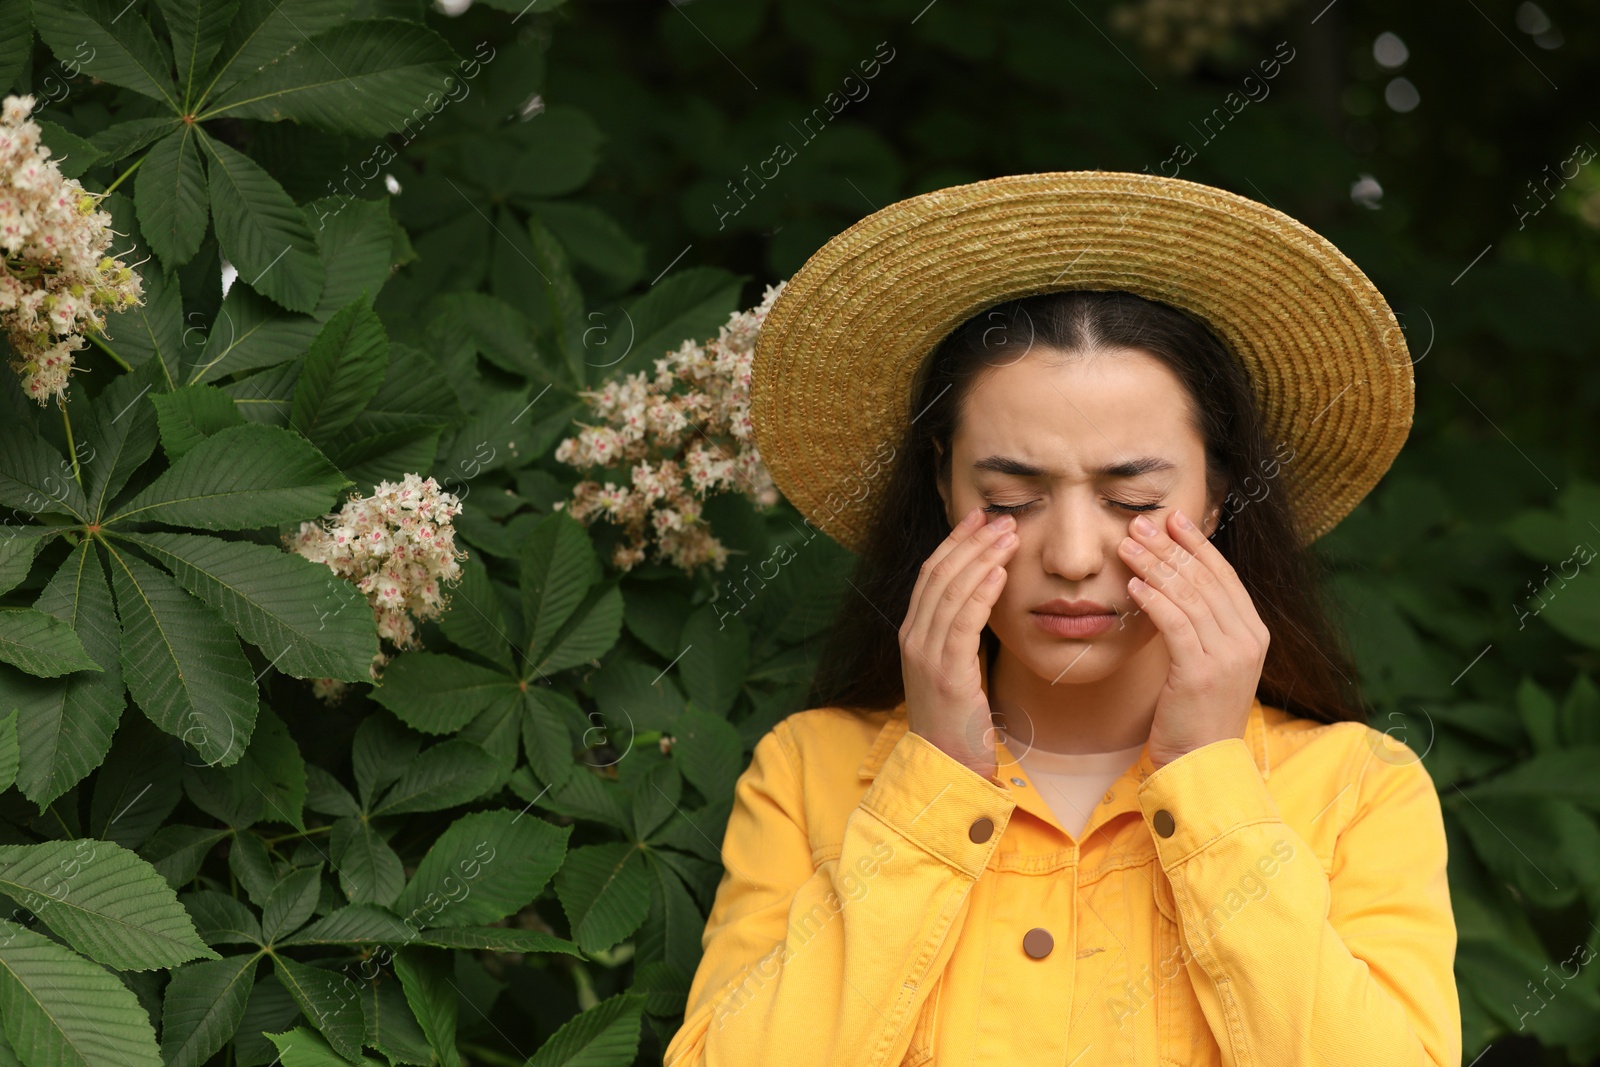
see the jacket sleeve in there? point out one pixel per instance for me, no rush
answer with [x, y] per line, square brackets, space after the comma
[1352, 966]
[808, 964]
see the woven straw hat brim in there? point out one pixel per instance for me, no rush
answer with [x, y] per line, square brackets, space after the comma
[836, 358]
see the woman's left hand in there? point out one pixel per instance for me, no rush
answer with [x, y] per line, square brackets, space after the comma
[1215, 640]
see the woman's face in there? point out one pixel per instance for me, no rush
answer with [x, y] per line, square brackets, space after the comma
[1081, 446]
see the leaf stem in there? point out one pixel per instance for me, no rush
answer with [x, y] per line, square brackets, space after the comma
[124, 364]
[308, 833]
[489, 1055]
[67, 422]
[124, 174]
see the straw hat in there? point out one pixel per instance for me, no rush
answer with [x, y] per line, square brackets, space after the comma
[835, 360]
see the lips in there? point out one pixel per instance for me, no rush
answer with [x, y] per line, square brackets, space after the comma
[1069, 608]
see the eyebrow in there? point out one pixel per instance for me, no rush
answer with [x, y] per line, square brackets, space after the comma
[1131, 468]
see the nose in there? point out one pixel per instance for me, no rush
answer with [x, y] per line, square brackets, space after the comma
[1076, 538]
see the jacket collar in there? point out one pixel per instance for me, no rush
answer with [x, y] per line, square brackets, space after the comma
[898, 724]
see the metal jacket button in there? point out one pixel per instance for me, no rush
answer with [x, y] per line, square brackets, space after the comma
[1164, 823]
[981, 830]
[1038, 942]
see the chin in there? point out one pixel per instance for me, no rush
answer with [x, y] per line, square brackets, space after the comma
[1048, 656]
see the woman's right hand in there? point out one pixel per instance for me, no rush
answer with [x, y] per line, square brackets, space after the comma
[939, 640]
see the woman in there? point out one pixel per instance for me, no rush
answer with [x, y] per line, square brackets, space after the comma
[1073, 789]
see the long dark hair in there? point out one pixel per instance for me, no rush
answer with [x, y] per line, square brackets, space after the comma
[1308, 671]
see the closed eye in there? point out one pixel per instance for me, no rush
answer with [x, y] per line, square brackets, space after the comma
[1011, 509]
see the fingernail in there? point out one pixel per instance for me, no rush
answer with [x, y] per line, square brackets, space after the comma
[972, 517]
[1144, 526]
[1183, 521]
[1005, 522]
[1006, 540]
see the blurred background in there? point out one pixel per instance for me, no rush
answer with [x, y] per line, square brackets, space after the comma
[674, 159]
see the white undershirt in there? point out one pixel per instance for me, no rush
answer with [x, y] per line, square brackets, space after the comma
[1072, 783]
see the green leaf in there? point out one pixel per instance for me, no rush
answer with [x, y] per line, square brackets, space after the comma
[342, 372]
[424, 974]
[365, 78]
[66, 726]
[594, 239]
[120, 433]
[189, 415]
[450, 773]
[605, 891]
[633, 691]
[182, 664]
[356, 239]
[545, 736]
[16, 38]
[496, 939]
[487, 865]
[369, 870]
[151, 332]
[690, 305]
[202, 1007]
[125, 138]
[249, 331]
[331, 1002]
[269, 782]
[358, 924]
[41, 644]
[607, 1035]
[34, 477]
[170, 192]
[270, 1010]
[562, 313]
[104, 901]
[253, 867]
[439, 694]
[60, 1010]
[558, 567]
[18, 546]
[176, 851]
[8, 750]
[264, 29]
[559, 151]
[240, 478]
[1562, 775]
[391, 1027]
[261, 230]
[198, 28]
[138, 785]
[72, 154]
[589, 634]
[718, 657]
[220, 919]
[301, 1047]
[708, 751]
[90, 36]
[324, 793]
[380, 752]
[474, 619]
[291, 902]
[309, 622]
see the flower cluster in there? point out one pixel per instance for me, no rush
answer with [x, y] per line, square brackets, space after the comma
[680, 436]
[398, 547]
[56, 280]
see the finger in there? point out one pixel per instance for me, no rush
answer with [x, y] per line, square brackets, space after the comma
[971, 524]
[963, 639]
[1183, 642]
[1186, 581]
[958, 647]
[1228, 581]
[940, 572]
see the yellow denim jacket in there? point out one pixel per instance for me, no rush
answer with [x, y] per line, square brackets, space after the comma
[1271, 901]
